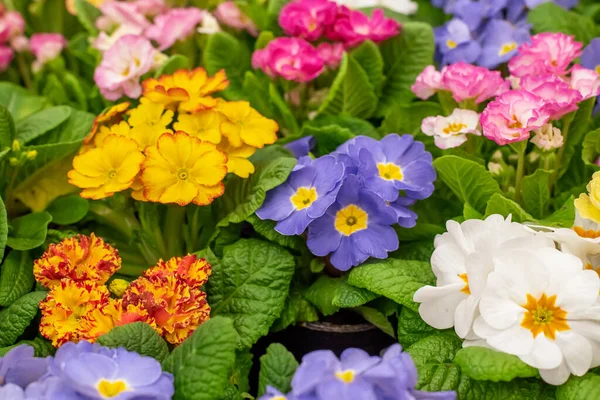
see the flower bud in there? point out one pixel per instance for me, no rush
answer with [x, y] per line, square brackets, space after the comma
[118, 287]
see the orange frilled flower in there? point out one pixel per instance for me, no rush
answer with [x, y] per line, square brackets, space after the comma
[187, 90]
[112, 116]
[103, 319]
[78, 258]
[193, 271]
[67, 304]
[174, 309]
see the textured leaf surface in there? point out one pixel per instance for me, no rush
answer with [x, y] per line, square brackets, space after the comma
[250, 285]
[328, 137]
[408, 118]
[330, 294]
[296, 309]
[277, 368]
[3, 228]
[499, 204]
[28, 231]
[19, 101]
[579, 388]
[40, 123]
[16, 277]
[376, 318]
[550, 17]
[411, 328]
[370, 59]
[41, 347]
[16, 318]
[397, 280]
[266, 228]
[7, 127]
[203, 362]
[138, 337]
[485, 364]
[536, 193]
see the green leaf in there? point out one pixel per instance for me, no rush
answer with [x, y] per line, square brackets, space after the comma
[348, 296]
[224, 51]
[296, 309]
[241, 371]
[16, 318]
[54, 90]
[485, 364]
[351, 93]
[138, 337]
[173, 63]
[67, 210]
[266, 229]
[16, 277]
[322, 292]
[3, 228]
[41, 347]
[357, 126]
[470, 213]
[408, 118]
[577, 131]
[550, 17]
[499, 204]
[397, 280]
[28, 231]
[563, 217]
[417, 250]
[282, 110]
[250, 285]
[19, 101]
[405, 57]
[469, 181]
[87, 15]
[263, 40]
[328, 137]
[411, 328]
[376, 318]
[579, 388]
[202, 364]
[277, 368]
[591, 149]
[536, 193]
[370, 59]
[7, 127]
[242, 196]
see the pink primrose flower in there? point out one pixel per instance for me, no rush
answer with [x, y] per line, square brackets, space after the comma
[354, 27]
[558, 97]
[469, 82]
[46, 47]
[307, 19]
[6, 56]
[428, 83]
[119, 13]
[331, 53]
[150, 8]
[586, 81]
[176, 24]
[228, 13]
[11, 25]
[293, 59]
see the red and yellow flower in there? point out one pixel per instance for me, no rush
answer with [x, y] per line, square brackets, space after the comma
[193, 271]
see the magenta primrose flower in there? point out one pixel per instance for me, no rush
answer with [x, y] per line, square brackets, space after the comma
[307, 19]
[11, 25]
[176, 24]
[6, 57]
[470, 82]
[559, 98]
[354, 27]
[331, 53]
[293, 59]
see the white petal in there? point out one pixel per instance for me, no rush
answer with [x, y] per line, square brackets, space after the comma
[581, 291]
[514, 340]
[589, 329]
[556, 376]
[500, 312]
[464, 316]
[439, 311]
[447, 262]
[483, 329]
[576, 350]
[544, 353]
[476, 343]
[449, 142]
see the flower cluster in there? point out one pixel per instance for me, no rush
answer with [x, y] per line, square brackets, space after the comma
[168, 297]
[295, 59]
[350, 199]
[176, 146]
[82, 371]
[356, 374]
[503, 285]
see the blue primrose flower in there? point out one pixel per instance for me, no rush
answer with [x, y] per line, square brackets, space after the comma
[568, 4]
[474, 13]
[308, 192]
[590, 59]
[455, 43]
[302, 146]
[500, 41]
[357, 226]
[12, 392]
[19, 367]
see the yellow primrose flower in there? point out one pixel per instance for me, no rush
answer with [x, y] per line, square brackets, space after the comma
[183, 169]
[111, 116]
[246, 125]
[237, 158]
[120, 129]
[108, 169]
[148, 121]
[205, 125]
[188, 90]
[588, 205]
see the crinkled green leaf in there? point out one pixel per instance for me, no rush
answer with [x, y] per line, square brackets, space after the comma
[330, 294]
[7, 127]
[370, 59]
[418, 250]
[67, 210]
[591, 149]
[485, 364]
[282, 111]
[580, 388]
[28, 231]
[16, 318]
[40, 123]
[19, 101]
[16, 277]
[202, 364]
[3, 228]
[224, 51]
[564, 216]
[241, 370]
[408, 118]
[469, 181]
[397, 280]
[411, 328]
[550, 17]
[536, 193]
[357, 126]
[348, 296]
[376, 318]
[296, 309]
[138, 337]
[499, 204]
[173, 63]
[328, 137]
[41, 347]
[266, 228]
[277, 368]
[249, 285]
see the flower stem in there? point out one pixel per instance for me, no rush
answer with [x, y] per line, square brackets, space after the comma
[561, 152]
[123, 222]
[174, 230]
[520, 147]
[24, 70]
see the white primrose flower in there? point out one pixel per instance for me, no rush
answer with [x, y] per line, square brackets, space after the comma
[547, 138]
[542, 306]
[462, 260]
[451, 131]
[209, 24]
[399, 6]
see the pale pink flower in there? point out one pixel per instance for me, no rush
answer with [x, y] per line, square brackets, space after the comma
[307, 19]
[176, 24]
[548, 53]
[20, 44]
[354, 27]
[105, 41]
[209, 24]
[119, 13]
[150, 8]
[11, 25]
[228, 13]
[470, 82]
[293, 59]
[559, 98]
[331, 53]
[45, 47]
[6, 56]
[428, 83]
[586, 81]
[512, 116]
[451, 131]
[122, 66]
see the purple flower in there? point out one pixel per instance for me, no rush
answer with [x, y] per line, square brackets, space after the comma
[302, 146]
[447, 5]
[397, 163]
[568, 4]
[12, 392]
[406, 217]
[20, 367]
[321, 373]
[590, 58]
[500, 41]
[455, 43]
[52, 388]
[474, 13]
[305, 196]
[354, 228]
[274, 394]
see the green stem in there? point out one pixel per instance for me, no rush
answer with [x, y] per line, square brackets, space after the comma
[123, 222]
[24, 70]
[193, 230]
[520, 169]
[173, 232]
[561, 152]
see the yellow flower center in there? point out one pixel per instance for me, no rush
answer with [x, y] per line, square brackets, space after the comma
[454, 127]
[507, 48]
[591, 267]
[543, 316]
[279, 398]
[390, 172]
[112, 174]
[346, 376]
[125, 72]
[515, 124]
[451, 44]
[137, 61]
[183, 174]
[351, 219]
[465, 279]
[589, 233]
[304, 197]
[597, 68]
[111, 389]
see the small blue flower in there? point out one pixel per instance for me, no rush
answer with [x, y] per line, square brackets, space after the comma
[500, 41]
[274, 394]
[20, 367]
[407, 218]
[52, 388]
[474, 13]
[455, 43]
[568, 4]
[302, 146]
[12, 392]
[305, 196]
[357, 226]
[446, 5]
[590, 59]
